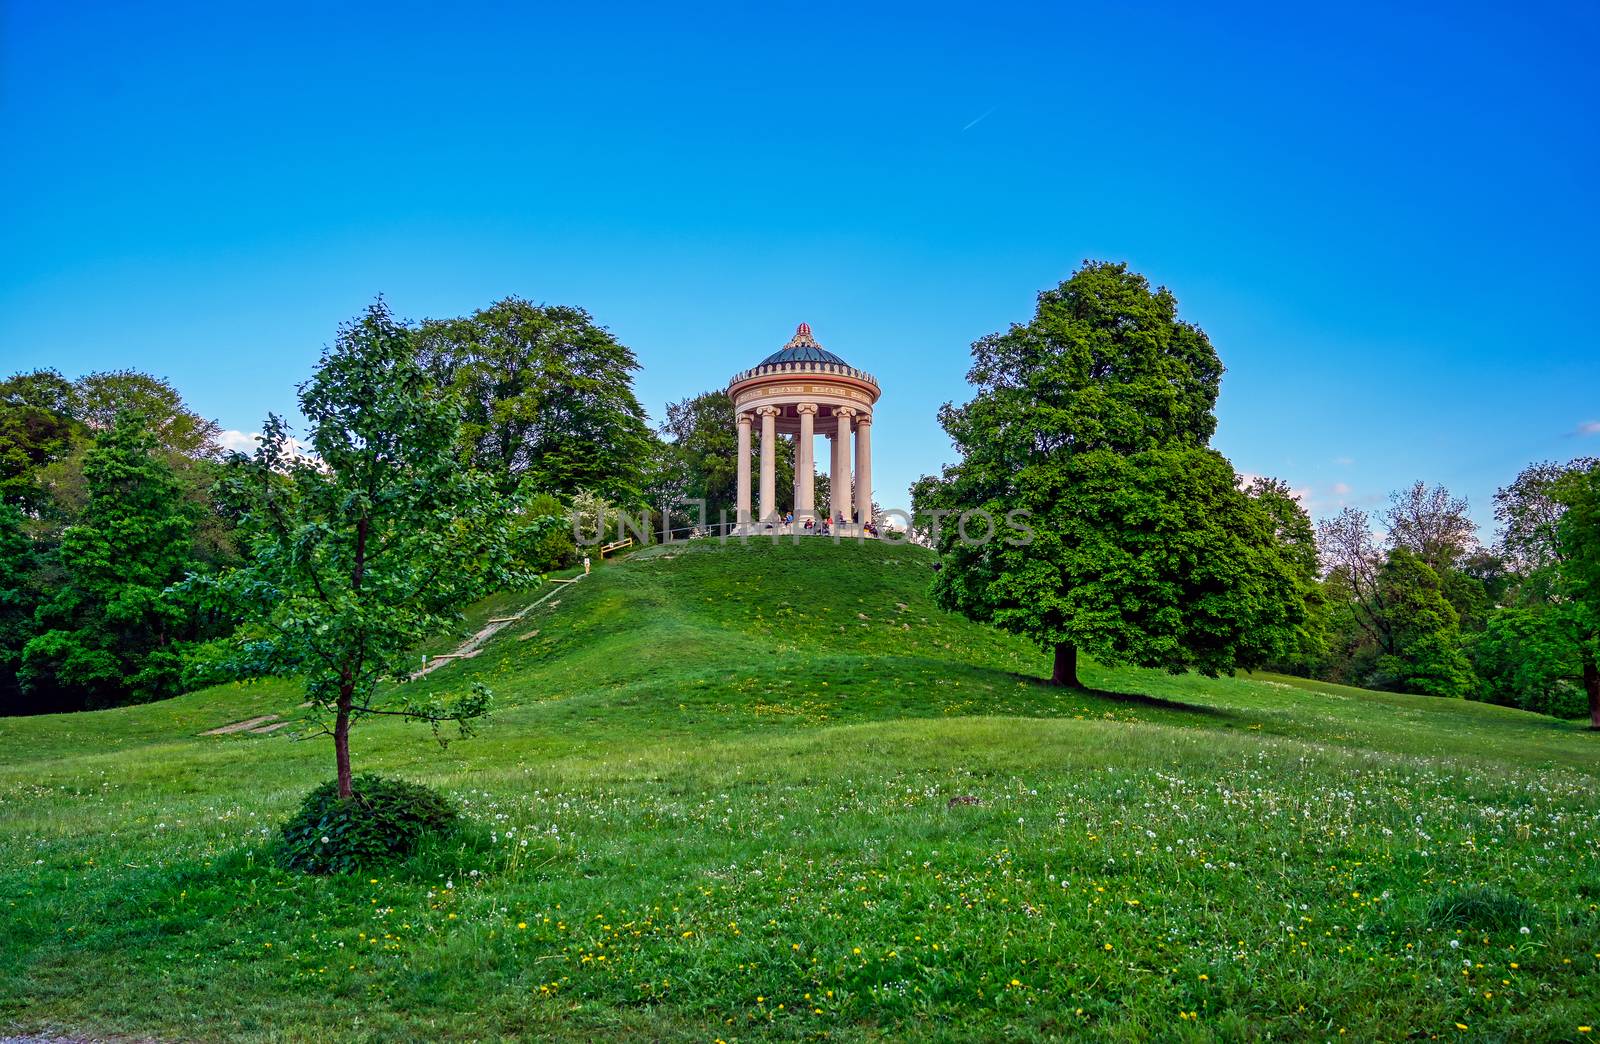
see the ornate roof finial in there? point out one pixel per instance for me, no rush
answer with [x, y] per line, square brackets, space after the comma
[802, 338]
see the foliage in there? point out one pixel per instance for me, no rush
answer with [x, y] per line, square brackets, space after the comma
[99, 398]
[701, 433]
[542, 536]
[1094, 420]
[1549, 523]
[1395, 623]
[1422, 653]
[380, 820]
[1432, 524]
[360, 553]
[1578, 556]
[106, 634]
[547, 398]
[1527, 659]
[38, 426]
[17, 603]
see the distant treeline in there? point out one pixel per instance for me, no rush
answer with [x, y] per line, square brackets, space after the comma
[1412, 601]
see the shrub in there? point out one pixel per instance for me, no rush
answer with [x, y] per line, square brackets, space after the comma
[1479, 907]
[383, 819]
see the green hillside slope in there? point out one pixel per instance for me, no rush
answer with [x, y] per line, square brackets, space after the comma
[715, 801]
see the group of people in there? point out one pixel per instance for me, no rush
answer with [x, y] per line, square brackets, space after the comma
[825, 526]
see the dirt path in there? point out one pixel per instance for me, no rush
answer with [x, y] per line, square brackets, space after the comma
[268, 723]
[474, 645]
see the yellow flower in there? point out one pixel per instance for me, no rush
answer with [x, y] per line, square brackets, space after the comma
[1108, 946]
[687, 934]
[1016, 982]
[522, 924]
[1461, 1025]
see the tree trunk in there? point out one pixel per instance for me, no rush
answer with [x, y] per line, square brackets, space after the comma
[341, 744]
[1066, 668]
[1591, 685]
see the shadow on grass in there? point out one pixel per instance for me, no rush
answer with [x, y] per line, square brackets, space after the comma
[1136, 699]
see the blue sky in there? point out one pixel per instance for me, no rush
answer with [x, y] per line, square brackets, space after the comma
[1383, 216]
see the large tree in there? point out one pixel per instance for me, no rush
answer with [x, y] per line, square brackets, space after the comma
[99, 398]
[363, 549]
[1095, 419]
[106, 635]
[547, 396]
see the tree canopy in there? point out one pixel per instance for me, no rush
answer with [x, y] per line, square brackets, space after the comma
[547, 398]
[106, 634]
[1094, 419]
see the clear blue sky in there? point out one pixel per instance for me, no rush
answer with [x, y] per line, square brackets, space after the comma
[1384, 217]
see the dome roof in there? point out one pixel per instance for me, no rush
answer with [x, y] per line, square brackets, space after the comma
[802, 348]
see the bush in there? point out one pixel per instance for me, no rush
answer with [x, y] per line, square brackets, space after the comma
[1479, 907]
[383, 819]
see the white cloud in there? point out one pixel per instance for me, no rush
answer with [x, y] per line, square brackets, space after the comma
[1589, 428]
[1344, 462]
[238, 441]
[1340, 489]
[247, 443]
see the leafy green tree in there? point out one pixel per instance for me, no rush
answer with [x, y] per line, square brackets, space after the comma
[18, 600]
[1095, 419]
[361, 551]
[106, 635]
[1548, 539]
[1295, 534]
[1527, 659]
[1578, 566]
[99, 398]
[38, 427]
[548, 398]
[1423, 640]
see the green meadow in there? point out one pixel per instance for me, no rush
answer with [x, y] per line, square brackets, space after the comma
[771, 792]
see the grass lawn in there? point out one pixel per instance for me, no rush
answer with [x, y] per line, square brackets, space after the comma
[715, 802]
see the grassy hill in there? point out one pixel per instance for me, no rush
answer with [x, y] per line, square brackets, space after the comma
[715, 801]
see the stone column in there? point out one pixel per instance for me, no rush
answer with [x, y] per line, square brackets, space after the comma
[805, 468]
[769, 468]
[864, 467]
[839, 482]
[741, 511]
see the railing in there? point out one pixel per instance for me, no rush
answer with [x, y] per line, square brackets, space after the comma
[800, 368]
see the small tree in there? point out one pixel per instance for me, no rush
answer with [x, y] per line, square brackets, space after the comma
[1094, 418]
[364, 549]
